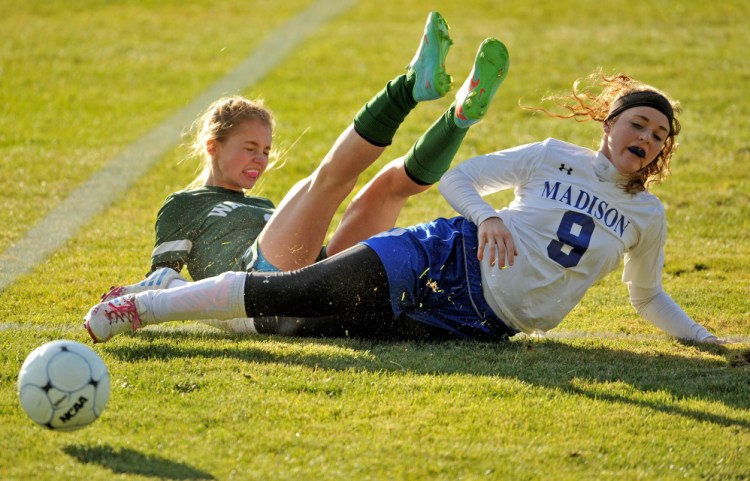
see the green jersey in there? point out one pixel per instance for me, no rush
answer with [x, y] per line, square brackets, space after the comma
[208, 229]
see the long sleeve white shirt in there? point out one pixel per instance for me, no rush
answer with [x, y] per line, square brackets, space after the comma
[572, 224]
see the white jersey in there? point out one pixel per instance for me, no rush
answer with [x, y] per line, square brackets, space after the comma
[571, 223]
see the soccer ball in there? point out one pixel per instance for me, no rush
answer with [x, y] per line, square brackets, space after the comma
[63, 385]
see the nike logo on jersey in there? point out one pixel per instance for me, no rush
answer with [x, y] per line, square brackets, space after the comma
[583, 201]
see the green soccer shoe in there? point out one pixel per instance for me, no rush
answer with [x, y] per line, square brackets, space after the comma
[429, 61]
[475, 95]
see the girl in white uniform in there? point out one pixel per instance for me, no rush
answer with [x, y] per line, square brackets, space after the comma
[487, 274]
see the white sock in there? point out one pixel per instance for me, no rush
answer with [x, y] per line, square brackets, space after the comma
[177, 282]
[221, 297]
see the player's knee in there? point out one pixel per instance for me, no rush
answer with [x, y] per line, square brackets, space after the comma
[327, 179]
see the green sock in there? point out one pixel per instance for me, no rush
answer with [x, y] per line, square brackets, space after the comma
[380, 118]
[433, 153]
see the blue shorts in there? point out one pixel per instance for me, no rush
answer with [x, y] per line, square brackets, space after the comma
[254, 261]
[434, 277]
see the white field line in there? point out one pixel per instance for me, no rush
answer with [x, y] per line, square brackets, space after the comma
[191, 326]
[109, 183]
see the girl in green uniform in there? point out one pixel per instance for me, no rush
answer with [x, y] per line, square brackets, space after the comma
[215, 227]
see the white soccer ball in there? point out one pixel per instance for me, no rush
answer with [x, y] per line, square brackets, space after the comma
[63, 385]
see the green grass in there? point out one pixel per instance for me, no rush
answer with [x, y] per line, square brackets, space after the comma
[607, 397]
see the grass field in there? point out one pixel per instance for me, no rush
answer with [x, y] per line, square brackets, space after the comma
[606, 396]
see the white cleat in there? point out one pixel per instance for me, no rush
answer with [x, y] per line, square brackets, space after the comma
[159, 279]
[107, 319]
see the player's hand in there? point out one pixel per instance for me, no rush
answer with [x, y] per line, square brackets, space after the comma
[495, 238]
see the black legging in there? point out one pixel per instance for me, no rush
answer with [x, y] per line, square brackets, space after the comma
[344, 295]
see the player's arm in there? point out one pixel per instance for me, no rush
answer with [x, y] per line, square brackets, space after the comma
[462, 193]
[643, 272]
[659, 309]
[172, 254]
[465, 185]
[173, 235]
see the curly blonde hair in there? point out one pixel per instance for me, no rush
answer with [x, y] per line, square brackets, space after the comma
[218, 122]
[584, 104]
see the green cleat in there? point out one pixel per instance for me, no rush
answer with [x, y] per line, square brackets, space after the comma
[490, 68]
[429, 61]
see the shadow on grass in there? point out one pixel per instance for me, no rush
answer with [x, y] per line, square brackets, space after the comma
[657, 377]
[127, 461]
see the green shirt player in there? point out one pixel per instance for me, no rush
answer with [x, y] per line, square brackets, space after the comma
[234, 140]
[214, 237]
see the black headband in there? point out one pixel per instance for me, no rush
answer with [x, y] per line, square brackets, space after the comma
[643, 98]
